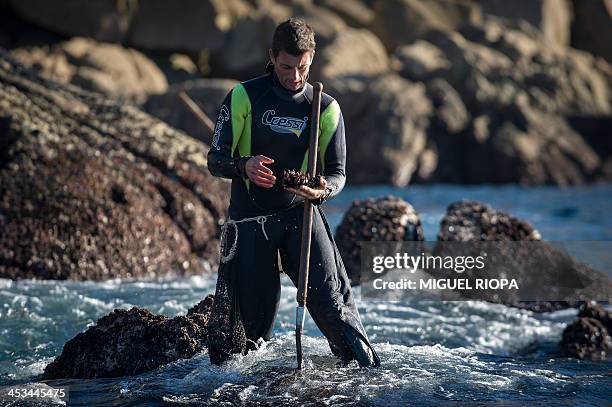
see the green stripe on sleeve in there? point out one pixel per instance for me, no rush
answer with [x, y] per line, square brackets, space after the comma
[241, 122]
[241, 127]
[328, 123]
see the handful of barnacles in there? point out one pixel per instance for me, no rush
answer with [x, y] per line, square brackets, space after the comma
[294, 179]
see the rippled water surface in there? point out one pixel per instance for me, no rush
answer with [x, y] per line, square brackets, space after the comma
[456, 353]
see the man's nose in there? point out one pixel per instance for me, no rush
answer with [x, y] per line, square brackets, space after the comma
[295, 74]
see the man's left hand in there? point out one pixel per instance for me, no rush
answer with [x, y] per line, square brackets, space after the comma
[310, 193]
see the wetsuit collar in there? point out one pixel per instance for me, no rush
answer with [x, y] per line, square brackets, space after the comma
[286, 94]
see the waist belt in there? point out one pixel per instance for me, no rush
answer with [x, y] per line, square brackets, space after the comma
[261, 219]
[230, 222]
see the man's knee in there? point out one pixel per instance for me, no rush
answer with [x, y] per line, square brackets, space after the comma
[325, 306]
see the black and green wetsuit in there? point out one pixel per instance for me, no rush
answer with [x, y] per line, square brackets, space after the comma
[261, 117]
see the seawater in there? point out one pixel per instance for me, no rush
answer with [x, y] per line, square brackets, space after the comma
[433, 353]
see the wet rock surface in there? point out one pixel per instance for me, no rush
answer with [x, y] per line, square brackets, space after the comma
[513, 250]
[590, 336]
[386, 219]
[130, 342]
[471, 220]
[539, 267]
[596, 311]
[91, 188]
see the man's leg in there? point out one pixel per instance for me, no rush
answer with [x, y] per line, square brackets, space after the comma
[246, 296]
[329, 301]
[258, 281]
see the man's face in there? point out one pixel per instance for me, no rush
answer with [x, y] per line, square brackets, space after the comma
[292, 71]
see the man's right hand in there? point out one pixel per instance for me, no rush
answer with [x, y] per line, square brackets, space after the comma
[258, 173]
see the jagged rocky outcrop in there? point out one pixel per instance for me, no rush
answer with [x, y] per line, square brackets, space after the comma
[91, 188]
[130, 342]
[521, 94]
[386, 119]
[499, 104]
[548, 278]
[466, 221]
[385, 219]
[494, 92]
[590, 336]
[351, 52]
[99, 66]
[448, 124]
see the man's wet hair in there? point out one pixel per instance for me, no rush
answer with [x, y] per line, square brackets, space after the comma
[294, 37]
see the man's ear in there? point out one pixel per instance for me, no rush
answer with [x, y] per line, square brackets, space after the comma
[271, 55]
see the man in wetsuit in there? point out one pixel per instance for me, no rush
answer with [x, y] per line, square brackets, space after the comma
[263, 129]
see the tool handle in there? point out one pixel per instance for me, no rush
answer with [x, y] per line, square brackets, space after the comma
[313, 148]
[307, 220]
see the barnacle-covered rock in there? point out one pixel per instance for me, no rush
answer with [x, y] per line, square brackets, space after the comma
[92, 188]
[386, 219]
[295, 179]
[130, 342]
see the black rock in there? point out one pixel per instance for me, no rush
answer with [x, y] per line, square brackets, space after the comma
[92, 188]
[470, 220]
[590, 336]
[596, 311]
[387, 219]
[130, 342]
[540, 269]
